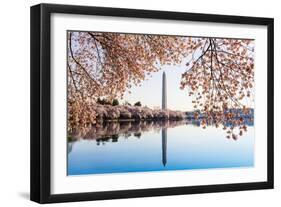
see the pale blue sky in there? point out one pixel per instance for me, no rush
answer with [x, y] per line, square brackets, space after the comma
[150, 91]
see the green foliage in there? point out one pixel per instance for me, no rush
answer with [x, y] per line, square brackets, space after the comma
[70, 139]
[138, 103]
[103, 101]
[115, 102]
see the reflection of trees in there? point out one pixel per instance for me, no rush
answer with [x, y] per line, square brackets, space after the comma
[69, 146]
[107, 130]
[110, 131]
[138, 134]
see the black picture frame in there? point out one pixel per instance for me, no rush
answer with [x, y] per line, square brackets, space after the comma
[41, 98]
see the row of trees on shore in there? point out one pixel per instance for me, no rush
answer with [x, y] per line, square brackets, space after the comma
[126, 112]
[115, 102]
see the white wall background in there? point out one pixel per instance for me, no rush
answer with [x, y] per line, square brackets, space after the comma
[14, 102]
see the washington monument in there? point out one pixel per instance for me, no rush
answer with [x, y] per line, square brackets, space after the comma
[164, 91]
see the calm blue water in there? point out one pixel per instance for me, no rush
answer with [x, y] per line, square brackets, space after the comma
[143, 147]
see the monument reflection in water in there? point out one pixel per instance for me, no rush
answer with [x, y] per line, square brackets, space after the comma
[116, 147]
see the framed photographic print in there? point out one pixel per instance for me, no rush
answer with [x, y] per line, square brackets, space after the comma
[132, 103]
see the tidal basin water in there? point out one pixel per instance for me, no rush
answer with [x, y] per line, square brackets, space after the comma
[157, 146]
